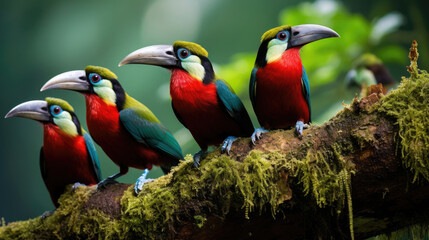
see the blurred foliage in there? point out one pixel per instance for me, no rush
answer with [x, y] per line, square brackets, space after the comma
[327, 60]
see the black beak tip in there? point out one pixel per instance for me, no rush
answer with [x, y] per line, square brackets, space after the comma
[335, 34]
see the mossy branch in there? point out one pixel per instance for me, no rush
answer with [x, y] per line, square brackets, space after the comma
[363, 173]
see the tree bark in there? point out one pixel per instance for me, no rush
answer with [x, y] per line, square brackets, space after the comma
[364, 142]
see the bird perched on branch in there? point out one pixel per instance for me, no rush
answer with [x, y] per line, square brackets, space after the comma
[369, 70]
[203, 103]
[127, 131]
[68, 154]
[279, 88]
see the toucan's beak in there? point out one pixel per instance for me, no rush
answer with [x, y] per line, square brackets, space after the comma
[307, 33]
[160, 55]
[73, 80]
[36, 110]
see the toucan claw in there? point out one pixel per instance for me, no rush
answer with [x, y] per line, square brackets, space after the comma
[104, 183]
[299, 127]
[76, 185]
[257, 134]
[197, 158]
[141, 181]
[227, 143]
[47, 214]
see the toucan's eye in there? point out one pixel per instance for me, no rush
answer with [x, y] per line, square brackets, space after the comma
[282, 35]
[94, 78]
[56, 110]
[183, 53]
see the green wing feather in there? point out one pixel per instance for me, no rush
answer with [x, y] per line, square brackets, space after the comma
[95, 163]
[305, 87]
[140, 123]
[234, 106]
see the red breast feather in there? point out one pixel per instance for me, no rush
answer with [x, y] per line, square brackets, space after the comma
[200, 109]
[66, 161]
[279, 99]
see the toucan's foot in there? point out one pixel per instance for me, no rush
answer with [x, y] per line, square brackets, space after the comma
[257, 134]
[103, 184]
[299, 127]
[76, 185]
[47, 214]
[198, 156]
[227, 143]
[141, 181]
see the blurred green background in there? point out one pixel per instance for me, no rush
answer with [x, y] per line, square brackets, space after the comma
[40, 39]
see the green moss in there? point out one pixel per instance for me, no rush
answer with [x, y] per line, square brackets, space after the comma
[363, 136]
[258, 183]
[228, 184]
[149, 213]
[200, 220]
[409, 107]
[225, 183]
[325, 176]
[70, 219]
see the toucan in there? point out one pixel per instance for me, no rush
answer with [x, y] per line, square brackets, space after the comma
[279, 88]
[369, 70]
[68, 155]
[126, 130]
[202, 102]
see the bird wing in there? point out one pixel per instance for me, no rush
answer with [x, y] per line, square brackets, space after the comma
[178, 116]
[252, 86]
[234, 106]
[305, 87]
[95, 163]
[42, 165]
[151, 133]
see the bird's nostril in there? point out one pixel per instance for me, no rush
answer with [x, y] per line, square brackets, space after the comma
[295, 33]
[44, 108]
[169, 52]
